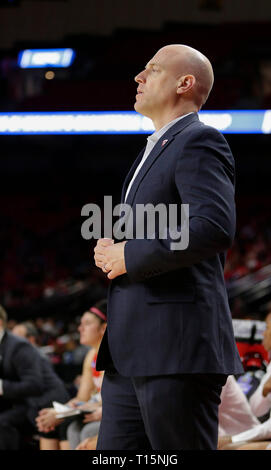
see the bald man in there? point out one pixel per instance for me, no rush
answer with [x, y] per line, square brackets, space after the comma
[169, 344]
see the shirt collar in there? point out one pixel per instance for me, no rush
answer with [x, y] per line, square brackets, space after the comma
[156, 135]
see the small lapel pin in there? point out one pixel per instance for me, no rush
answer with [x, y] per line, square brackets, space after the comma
[164, 142]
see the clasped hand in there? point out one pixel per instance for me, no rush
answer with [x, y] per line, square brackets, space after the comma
[109, 256]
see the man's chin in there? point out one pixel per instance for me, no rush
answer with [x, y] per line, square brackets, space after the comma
[140, 109]
[137, 107]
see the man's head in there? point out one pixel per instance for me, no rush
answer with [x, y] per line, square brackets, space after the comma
[3, 318]
[176, 81]
[26, 330]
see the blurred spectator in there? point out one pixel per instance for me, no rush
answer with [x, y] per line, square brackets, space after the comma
[235, 414]
[92, 327]
[260, 401]
[256, 437]
[26, 330]
[53, 387]
[20, 381]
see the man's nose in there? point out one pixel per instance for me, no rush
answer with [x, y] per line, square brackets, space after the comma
[140, 78]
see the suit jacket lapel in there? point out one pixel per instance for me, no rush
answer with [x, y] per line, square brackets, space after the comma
[158, 149]
[130, 174]
[154, 154]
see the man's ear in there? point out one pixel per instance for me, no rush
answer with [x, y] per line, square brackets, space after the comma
[185, 83]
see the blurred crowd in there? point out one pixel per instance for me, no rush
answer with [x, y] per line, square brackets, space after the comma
[43, 255]
[252, 247]
[37, 407]
[40, 411]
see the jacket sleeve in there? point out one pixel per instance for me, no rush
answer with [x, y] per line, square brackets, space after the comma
[27, 364]
[204, 178]
[54, 387]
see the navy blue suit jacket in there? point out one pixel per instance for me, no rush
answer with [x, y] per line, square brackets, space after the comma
[169, 314]
[29, 381]
[21, 374]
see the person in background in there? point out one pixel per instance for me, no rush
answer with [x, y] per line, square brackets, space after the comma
[54, 389]
[21, 381]
[256, 437]
[26, 330]
[92, 327]
[260, 401]
[234, 413]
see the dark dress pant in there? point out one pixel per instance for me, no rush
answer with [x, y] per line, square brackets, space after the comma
[170, 412]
